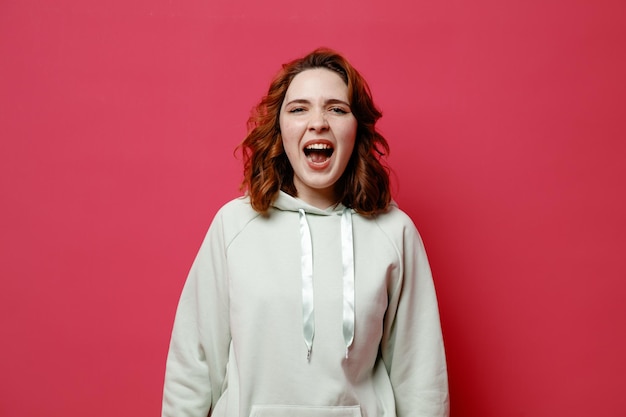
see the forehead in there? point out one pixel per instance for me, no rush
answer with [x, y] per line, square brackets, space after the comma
[317, 82]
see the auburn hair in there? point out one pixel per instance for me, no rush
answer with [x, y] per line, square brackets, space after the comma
[364, 185]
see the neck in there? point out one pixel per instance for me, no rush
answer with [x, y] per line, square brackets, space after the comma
[321, 199]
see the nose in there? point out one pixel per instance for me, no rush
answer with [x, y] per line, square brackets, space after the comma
[318, 121]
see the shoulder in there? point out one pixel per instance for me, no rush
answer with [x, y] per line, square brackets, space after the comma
[394, 219]
[234, 216]
[237, 208]
[398, 226]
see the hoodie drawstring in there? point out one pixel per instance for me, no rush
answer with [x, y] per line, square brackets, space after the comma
[347, 256]
[306, 261]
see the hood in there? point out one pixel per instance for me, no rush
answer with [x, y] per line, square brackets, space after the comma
[286, 202]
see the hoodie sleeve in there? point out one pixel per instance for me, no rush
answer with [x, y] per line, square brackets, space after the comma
[412, 347]
[198, 353]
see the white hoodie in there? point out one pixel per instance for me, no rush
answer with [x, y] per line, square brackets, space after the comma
[307, 313]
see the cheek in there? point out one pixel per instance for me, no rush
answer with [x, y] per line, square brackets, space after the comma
[288, 139]
[290, 130]
[348, 134]
[290, 142]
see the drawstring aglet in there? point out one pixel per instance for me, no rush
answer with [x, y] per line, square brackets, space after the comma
[308, 355]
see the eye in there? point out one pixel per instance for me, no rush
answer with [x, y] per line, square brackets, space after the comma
[338, 110]
[296, 110]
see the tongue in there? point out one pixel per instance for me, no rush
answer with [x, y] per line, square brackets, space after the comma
[318, 157]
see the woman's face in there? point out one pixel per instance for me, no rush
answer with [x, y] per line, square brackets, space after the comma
[318, 131]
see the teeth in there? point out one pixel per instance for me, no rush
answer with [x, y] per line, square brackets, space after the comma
[318, 146]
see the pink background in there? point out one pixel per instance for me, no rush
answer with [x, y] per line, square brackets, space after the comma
[118, 121]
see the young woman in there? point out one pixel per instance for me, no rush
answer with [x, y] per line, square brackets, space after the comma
[312, 295]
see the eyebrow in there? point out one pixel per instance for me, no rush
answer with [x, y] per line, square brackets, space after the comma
[329, 101]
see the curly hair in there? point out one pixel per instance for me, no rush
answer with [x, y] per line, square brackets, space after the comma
[364, 185]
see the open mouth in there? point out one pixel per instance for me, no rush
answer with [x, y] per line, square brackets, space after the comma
[318, 152]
